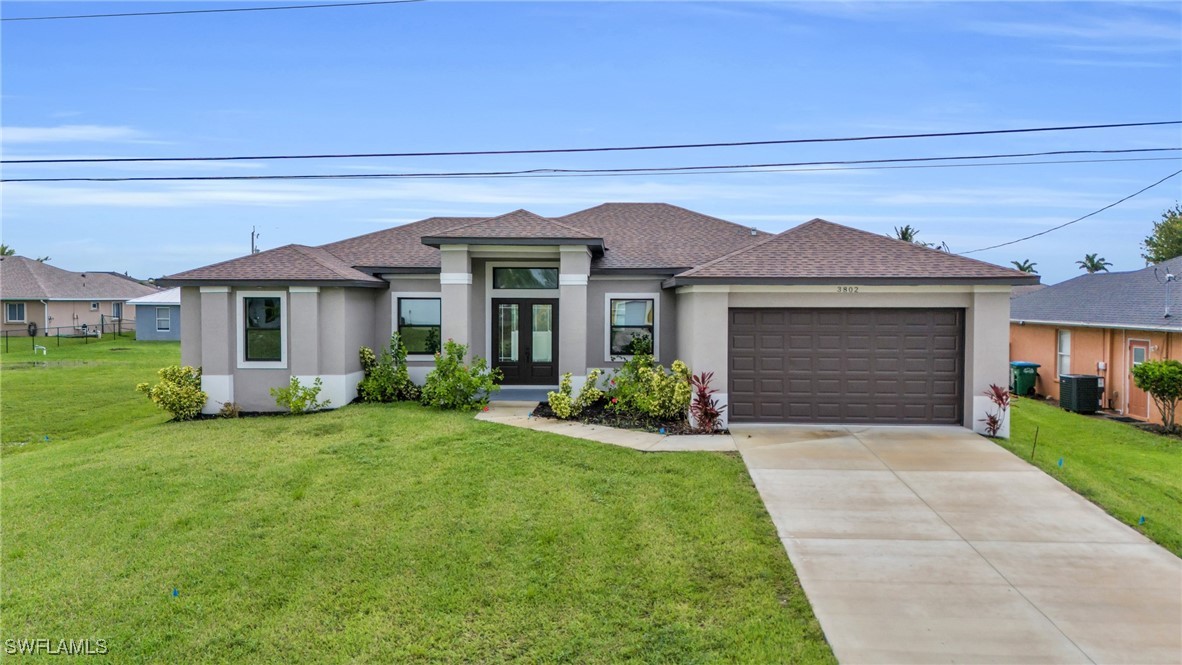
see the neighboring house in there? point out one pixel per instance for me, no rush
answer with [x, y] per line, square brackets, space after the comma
[41, 298]
[1102, 324]
[821, 323]
[159, 315]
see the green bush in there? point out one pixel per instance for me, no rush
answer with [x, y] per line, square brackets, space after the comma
[561, 402]
[454, 385]
[386, 379]
[642, 387]
[298, 398]
[590, 393]
[1162, 379]
[179, 391]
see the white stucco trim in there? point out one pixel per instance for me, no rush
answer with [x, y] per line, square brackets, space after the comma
[218, 390]
[455, 278]
[428, 295]
[1114, 326]
[240, 329]
[572, 280]
[214, 289]
[654, 296]
[304, 289]
[338, 389]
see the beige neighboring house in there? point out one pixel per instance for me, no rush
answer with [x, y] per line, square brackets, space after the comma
[41, 298]
[819, 324]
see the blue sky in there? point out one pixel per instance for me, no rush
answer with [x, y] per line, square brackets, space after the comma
[442, 75]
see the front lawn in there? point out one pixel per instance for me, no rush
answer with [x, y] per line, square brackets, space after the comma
[1127, 472]
[373, 534]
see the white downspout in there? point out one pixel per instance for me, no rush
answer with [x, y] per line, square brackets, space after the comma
[45, 308]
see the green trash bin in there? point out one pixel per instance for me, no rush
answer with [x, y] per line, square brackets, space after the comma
[1022, 377]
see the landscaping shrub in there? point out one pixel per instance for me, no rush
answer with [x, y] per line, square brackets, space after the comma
[230, 410]
[561, 402]
[454, 385]
[298, 398]
[999, 396]
[179, 391]
[1162, 379]
[386, 379]
[643, 387]
[704, 409]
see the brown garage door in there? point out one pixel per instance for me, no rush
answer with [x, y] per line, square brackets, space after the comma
[846, 365]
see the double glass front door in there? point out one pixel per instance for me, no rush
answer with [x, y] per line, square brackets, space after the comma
[525, 340]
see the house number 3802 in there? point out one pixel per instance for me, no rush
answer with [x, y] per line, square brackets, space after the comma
[847, 289]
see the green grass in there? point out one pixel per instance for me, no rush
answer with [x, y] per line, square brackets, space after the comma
[373, 534]
[1127, 472]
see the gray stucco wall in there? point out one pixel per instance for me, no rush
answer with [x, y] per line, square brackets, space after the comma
[191, 326]
[145, 323]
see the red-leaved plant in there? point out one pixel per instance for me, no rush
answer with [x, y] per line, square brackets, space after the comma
[1000, 397]
[704, 409]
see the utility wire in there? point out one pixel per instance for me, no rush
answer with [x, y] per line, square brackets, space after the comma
[469, 153]
[613, 171]
[1077, 219]
[210, 11]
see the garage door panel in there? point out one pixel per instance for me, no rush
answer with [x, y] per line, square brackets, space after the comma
[847, 365]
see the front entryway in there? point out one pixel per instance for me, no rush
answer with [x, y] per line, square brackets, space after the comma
[525, 340]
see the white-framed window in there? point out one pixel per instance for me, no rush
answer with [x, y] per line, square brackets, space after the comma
[262, 329]
[630, 324]
[94, 306]
[14, 312]
[419, 324]
[117, 310]
[1064, 353]
[163, 319]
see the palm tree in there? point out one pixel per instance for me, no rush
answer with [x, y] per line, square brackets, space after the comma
[1024, 265]
[5, 250]
[907, 233]
[1093, 264]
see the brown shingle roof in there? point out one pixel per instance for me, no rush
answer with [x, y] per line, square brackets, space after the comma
[823, 251]
[290, 263]
[659, 236]
[397, 247]
[23, 278]
[517, 224]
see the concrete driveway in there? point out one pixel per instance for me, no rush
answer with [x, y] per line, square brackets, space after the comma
[932, 544]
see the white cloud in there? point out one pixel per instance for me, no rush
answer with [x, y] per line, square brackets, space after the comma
[68, 133]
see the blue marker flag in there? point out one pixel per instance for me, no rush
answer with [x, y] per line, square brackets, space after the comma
[1142, 520]
[175, 592]
[1060, 462]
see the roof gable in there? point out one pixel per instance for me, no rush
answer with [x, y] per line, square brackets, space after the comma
[290, 263]
[819, 250]
[396, 247]
[1133, 299]
[517, 224]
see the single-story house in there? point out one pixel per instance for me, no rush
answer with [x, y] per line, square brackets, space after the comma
[1102, 324]
[159, 315]
[40, 298]
[820, 323]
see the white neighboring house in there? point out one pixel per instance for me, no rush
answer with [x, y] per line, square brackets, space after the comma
[158, 316]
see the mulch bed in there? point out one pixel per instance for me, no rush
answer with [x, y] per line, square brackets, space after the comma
[598, 414]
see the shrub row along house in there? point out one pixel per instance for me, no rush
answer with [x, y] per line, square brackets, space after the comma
[820, 323]
[38, 297]
[1102, 324]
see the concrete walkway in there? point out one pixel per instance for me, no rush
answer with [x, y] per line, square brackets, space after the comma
[517, 415]
[932, 544]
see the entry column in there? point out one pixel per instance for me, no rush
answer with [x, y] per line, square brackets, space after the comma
[574, 270]
[455, 292]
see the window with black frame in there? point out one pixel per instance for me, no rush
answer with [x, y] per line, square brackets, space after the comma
[525, 278]
[419, 324]
[631, 326]
[264, 332]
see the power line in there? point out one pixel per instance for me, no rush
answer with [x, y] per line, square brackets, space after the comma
[1078, 219]
[211, 11]
[679, 146]
[613, 171]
